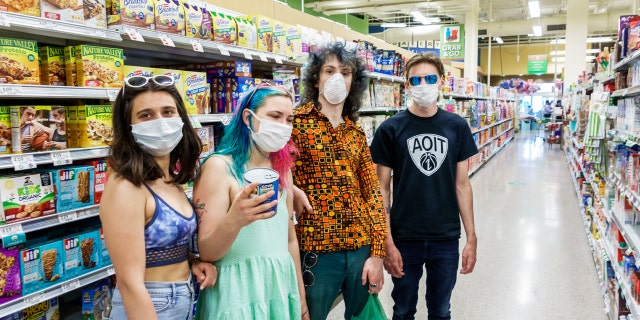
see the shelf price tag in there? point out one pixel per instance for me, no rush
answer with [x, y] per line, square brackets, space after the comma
[85, 213]
[68, 217]
[10, 229]
[48, 24]
[166, 40]
[263, 57]
[197, 46]
[34, 299]
[247, 55]
[98, 33]
[111, 271]
[278, 59]
[134, 34]
[23, 162]
[60, 158]
[223, 50]
[10, 90]
[71, 285]
[4, 21]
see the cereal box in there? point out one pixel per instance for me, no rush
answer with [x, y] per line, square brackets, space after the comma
[279, 37]
[99, 66]
[62, 10]
[237, 89]
[137, 13]
[224, 28]
[27, 196]
[81, 253]
[19, 61]
[10, 285]
[264, 26]
[52, 68]
[41, 266]
[95, 13]
[26, 7]
[294, 41]
[46, 310]
[74, 187]
[96, 129]
[196, 92]
[100, 176]
[177, 77]
[134, 71]
[30, 128]
[225, 69]
[247, 33]
[94, 298]
[72, 126]
[169, 16]
[5, 129]
[198, 20]
[105, 259]
[70, 65]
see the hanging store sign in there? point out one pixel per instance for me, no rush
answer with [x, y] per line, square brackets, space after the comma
[452, 41]
[537, 64]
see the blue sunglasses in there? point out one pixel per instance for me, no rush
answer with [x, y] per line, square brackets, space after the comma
[430, 79]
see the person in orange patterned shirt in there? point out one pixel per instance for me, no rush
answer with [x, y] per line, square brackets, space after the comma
[342, 237]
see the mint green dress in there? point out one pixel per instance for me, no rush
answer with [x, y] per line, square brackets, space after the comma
[257, 278]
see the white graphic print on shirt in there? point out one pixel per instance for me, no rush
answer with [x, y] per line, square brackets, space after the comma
[428, 151]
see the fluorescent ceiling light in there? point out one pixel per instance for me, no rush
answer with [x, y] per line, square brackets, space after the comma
[537, 30]
[557, 53]
[498, 40]
[393, 25]
[592, 51]
[558, 59]
[558, 41]
[589, 58]
[418, 16]
[599, 39]
[534, 9]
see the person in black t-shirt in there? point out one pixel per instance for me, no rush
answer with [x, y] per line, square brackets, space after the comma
[427, 149]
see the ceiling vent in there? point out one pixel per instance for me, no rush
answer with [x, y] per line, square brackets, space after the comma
[556, 27]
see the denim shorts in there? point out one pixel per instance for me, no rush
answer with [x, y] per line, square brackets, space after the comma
[172, 300]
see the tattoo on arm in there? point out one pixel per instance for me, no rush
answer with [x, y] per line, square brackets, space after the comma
[200, 209]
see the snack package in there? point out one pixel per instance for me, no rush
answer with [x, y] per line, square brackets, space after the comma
[132, 13]
[196, 92]
[52, 67]
[279, 37]
[100, 66]
[264, 27]
[134, 71]
[100, 176]
[169, 16]
[105, 259]
[237, 88]
[19, 61]
[224, 28]
[95, 13]
[10, 284]
[5, 129]
[31, 128]
[177, 75]
[198, 20]
[45, 310]
[247, 33]
[95, 125]
[27, 196]
[41, 266]
[70, 66]
[74, 187]
[94, 299]
[26, 7]
[63, 10]
[293, 41]
[81, 253]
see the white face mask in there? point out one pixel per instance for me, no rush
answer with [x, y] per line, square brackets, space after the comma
[158, 137]
[425, 95]
[335, 90]
[271, 136]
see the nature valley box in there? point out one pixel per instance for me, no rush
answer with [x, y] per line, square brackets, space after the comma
[100, 66]
[70, 67]
[137, 13]
[279, 37]
[294, 41]
[96, 129]
[198, 20]
[134, 71]
[196, 92]
[5, 129]
[224, 28]
[71, 113]
[264, 26]
[169, 16]
[62, 10]
[19, 61]
[52, 67]
[26, 7]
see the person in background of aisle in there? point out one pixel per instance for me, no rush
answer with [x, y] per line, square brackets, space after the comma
[427, 149]
[342, 237]
[59, 133]
[547, 110]
[147, 219]
[255, 250]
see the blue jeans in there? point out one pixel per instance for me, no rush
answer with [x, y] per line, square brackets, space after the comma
[440, 257]
[336, 272]
[172, 300]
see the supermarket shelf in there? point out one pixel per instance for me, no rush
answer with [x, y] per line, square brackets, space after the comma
[381, 110]
[475, 170]
[55, 291]
[49, 221]
[56, 92]
[626, 62]
[6, 161]
[630, 233]
[490, 126]
[464, 96]
[493, 138]
[387, 77]
[627, 92]
[54, 28]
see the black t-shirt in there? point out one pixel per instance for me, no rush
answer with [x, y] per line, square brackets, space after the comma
[423, 154]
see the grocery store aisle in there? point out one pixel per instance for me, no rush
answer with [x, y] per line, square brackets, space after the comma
[534, 261]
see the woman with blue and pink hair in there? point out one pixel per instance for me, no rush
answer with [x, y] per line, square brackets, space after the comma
[250, 239]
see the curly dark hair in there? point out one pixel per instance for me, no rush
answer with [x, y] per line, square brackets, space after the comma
[359, 82]
[131, 162]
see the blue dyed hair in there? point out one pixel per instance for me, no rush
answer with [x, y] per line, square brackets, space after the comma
[236, 140]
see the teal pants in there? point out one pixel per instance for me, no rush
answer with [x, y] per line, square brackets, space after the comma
[335, 273]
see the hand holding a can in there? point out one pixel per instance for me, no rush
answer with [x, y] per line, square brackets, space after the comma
[248, 207]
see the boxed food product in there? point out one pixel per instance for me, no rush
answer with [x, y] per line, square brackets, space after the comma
[52, 68]
[218, 95]
[132, 13]
[237, 89]
[294, 41]
[81, 253]
[74, 187]
[95, 125]
[169, 16]
[10, 285]
[279, 37]
[247, 33]
[204, 133]
[62, 10]
[224, 28]
[225, 69]
[72, 126]
[177, 77]
[198, 20]
[70, 65]
[45, 310]
[19, 61]
[27, 196]
[95, 13]
[99, 66]
[105, 259]
[196, 92]
[634, 34]
[31, 128]
[94, 298]
[135, 71]
[5, 129]
[264, 26]
[41, 266]
[58, 129]
[100, 176]
[26, 7]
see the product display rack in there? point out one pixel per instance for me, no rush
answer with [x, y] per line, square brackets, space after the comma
[476, 169]
[627, 92]
[53, 28]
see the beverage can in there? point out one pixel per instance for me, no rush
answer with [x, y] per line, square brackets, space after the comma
[267, 179]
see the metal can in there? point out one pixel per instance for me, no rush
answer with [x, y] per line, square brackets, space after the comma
[267, 179]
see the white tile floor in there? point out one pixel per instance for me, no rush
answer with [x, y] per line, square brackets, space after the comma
[534, 261]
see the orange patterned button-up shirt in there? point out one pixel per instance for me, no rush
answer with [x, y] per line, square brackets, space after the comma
[336, 172]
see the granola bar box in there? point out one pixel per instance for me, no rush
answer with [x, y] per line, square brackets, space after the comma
[96, 129]
[26, 7]
[52, 67]
[95, 13]
[137, 13]
[10, 285]
[81, 253]
[99, 66]
[70, 65]
[5, 129]
[45, 310]
[169, 16]
[19, 61]
[105, 258]
[41, 266]
[62, 10]
[74, 187]
[100, 176]
[31, 128]
[27, 196]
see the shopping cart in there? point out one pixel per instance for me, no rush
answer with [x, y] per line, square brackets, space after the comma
[553, 133]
